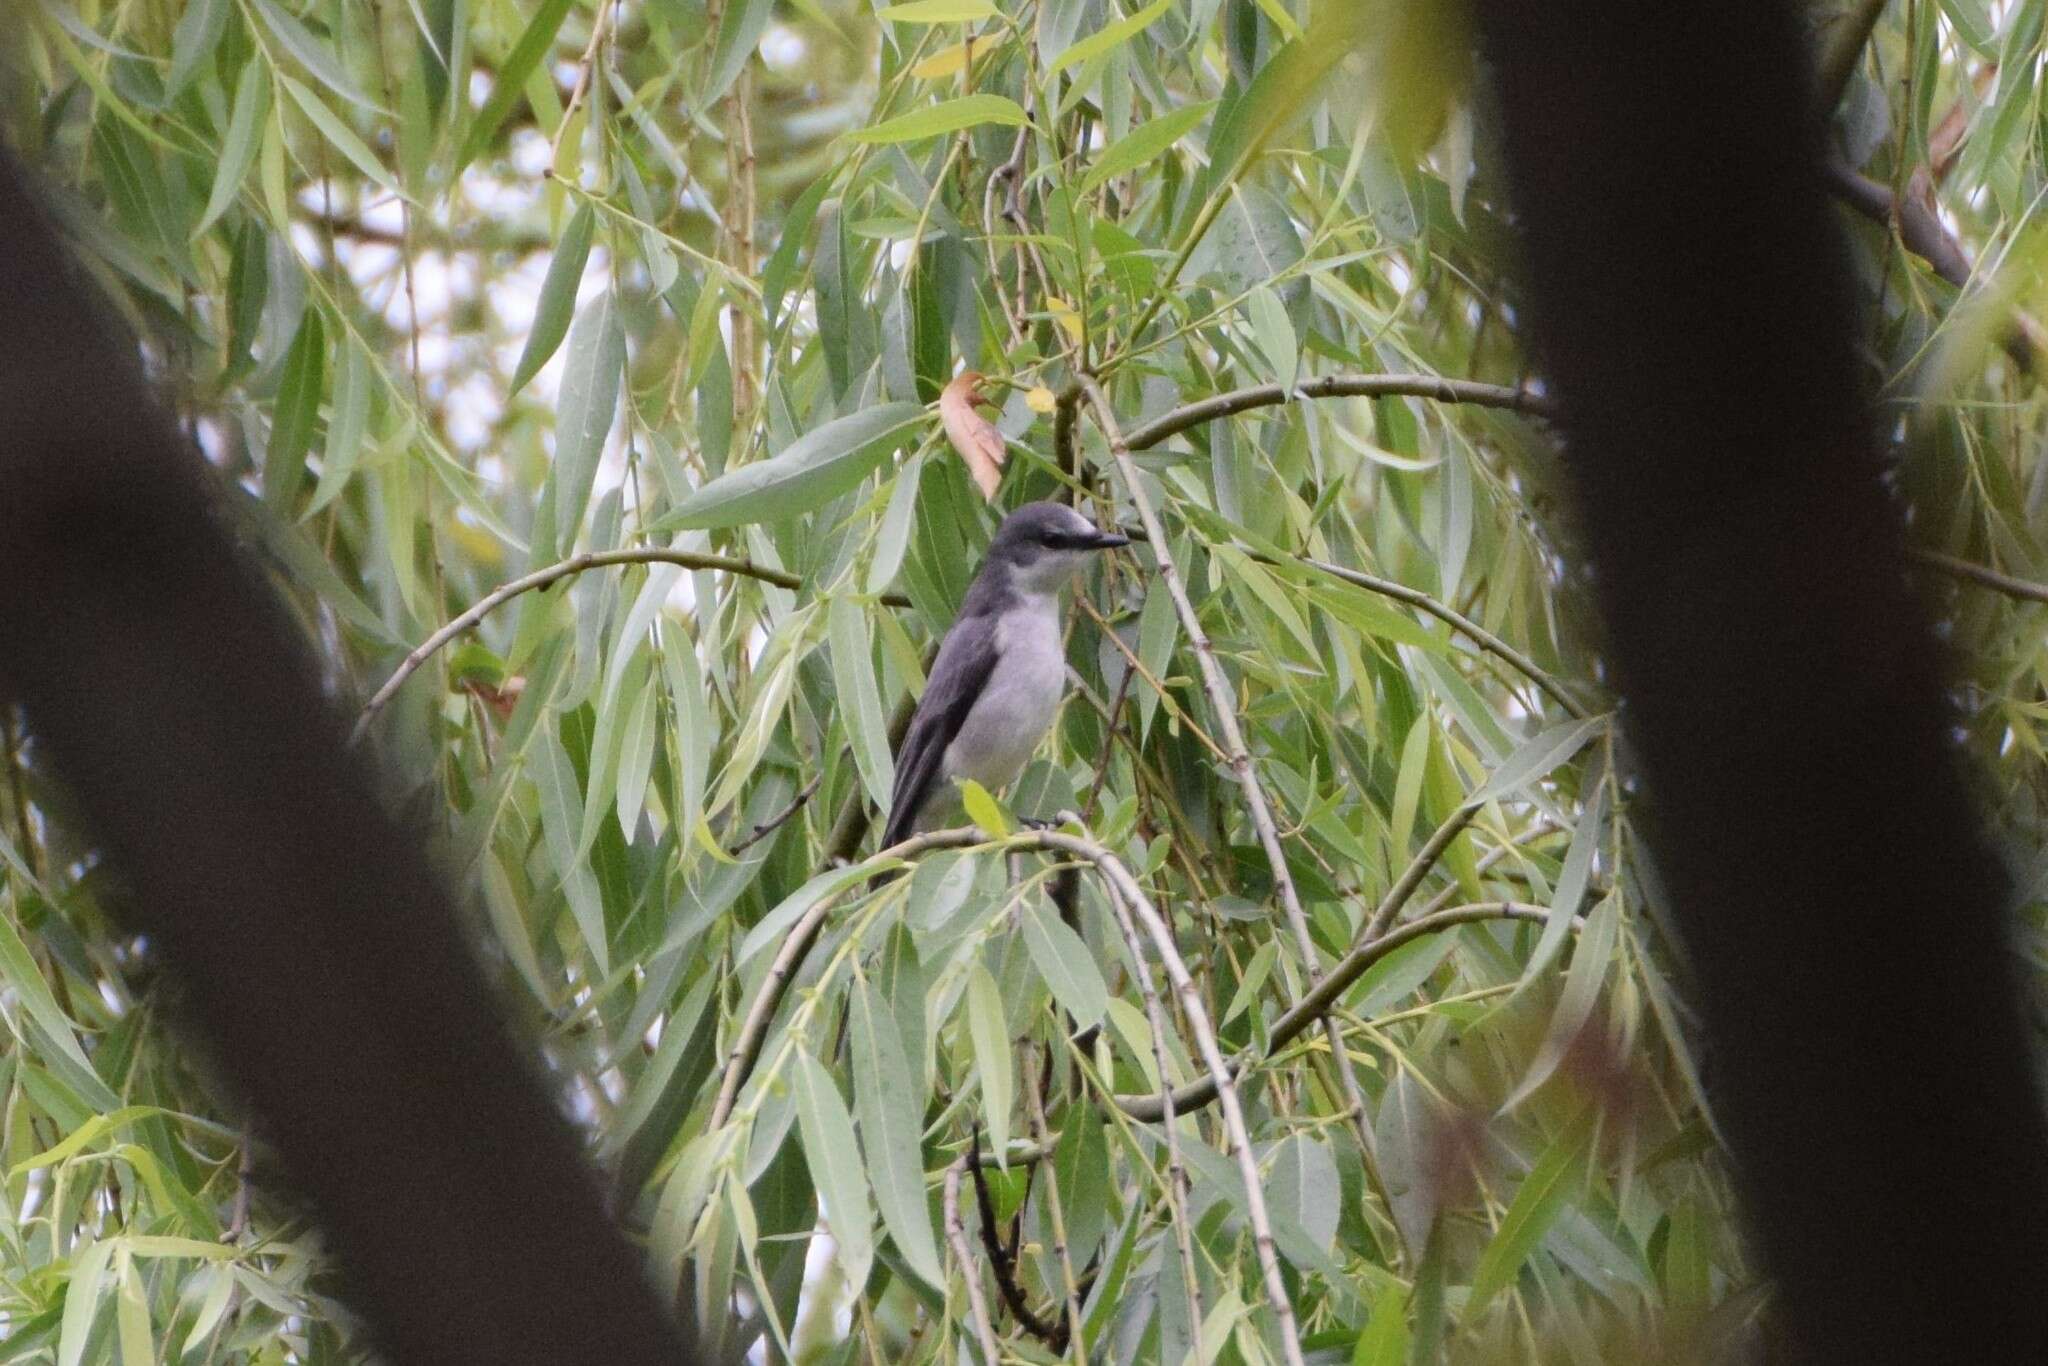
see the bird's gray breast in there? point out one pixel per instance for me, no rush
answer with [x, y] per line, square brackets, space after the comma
[1017, 704]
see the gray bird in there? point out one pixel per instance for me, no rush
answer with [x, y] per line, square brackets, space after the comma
[1000, 671]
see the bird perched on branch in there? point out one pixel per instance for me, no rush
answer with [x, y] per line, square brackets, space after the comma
[1000, 672]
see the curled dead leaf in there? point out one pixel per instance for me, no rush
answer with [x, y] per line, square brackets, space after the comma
[973, 435]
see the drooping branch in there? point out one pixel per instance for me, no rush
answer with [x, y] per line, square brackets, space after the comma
[1459, 622]
[554, 573]
[1339, 979]
[1238, 753]
[1119, 877]
[747, 1044]
[1176, 1177]
[1436, 387]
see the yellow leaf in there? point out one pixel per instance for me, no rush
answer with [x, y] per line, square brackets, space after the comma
[982, 808]
[943, 64]
[1063, 313]
[1040, 399]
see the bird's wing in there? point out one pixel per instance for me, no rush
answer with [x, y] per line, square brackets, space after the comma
[966, 659]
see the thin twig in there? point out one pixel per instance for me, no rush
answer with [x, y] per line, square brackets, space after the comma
[778, 820]
[1002, 1262]
[956, 1238]
[584, 67]
[542, 578]
[1443, 390]
[1983, 576]
[1417, 869]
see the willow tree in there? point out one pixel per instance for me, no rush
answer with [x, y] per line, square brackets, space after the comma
[594, 379]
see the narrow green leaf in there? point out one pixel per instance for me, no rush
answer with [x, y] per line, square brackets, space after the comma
[1575, 1003]
[589, 401]
[561, 803]
[351, 415]
[220, 1283]
[1538, 756]
[1109, 37]
[1408, 786]
[194, 41]
[812, 470]
[834, 1159]
[510, 81]
[131, 1315]
[314, 55]
[1063, 960]
[860, 701]
[1544, 1192]
[1274, 333]
[893, 539]
[774, 926]
[1282, 90]
[296, 412]
[1145, 144]
[82, 1300]
[890, 1131]
[557, 302]
[939, 12]
[993, 1062]
[1385, 1339]
[740, 27]
[968, 111]
[1572, 879]
[238, 145]
[1249, 985]
[19, 969]
[340, 136]
[636, 758]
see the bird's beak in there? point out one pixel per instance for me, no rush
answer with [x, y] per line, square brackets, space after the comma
[1108, 540]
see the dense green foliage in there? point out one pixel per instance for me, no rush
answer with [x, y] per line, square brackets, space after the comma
[454, 290]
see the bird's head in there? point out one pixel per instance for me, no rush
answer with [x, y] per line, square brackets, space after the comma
[1044, 543]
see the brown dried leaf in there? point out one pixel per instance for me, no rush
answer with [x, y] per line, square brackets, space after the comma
[973, 435]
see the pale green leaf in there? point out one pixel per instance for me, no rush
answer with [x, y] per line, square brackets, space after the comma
[969, 111]
[818, 466]
[890, 1131]
[557, 302]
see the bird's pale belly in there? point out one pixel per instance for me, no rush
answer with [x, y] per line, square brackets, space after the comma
[1015, 708]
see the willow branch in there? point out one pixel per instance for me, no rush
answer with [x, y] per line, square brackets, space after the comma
[1180, 419]
[1417, 869]
[554, 573]
[1239, 756]
[1176, 1174]
[1339, 977]
[778, 820]
[1353, 966]
[1073, 1336]
[1457, 621]
[1119, 877]
[956, 1238]
[1983, 576]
